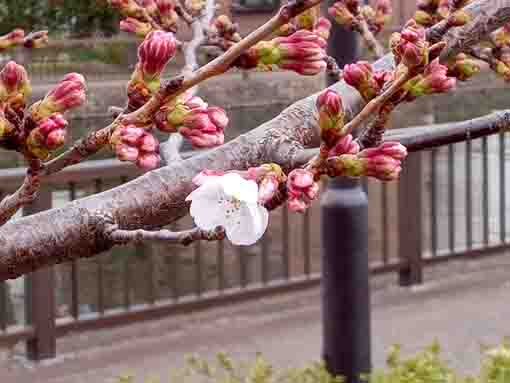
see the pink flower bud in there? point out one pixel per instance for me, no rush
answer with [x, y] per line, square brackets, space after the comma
[384, 162]
[331, 117]
[56, 139]
[204, 127]
[126, 153]
[49, 135]
[218, 117]
[148, 143]
[361, 76]
[155, 52]
[433, 80]
[14, 85]
[68, 94]
[16, 37]
[165, 6]
[323, 28]
[302, 189]
[393, 149]
[346, 145]
[135, 26]
[410, 46]
[148, 161]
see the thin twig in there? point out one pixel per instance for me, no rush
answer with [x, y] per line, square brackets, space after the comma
[25, 195]
[186, 238]
[368, 37]
[373, 106]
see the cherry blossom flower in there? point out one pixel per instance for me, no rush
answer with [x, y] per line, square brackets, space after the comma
[231, 202]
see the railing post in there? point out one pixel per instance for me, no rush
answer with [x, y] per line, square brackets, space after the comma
[345, 269]
[40, 297]
[410, 220]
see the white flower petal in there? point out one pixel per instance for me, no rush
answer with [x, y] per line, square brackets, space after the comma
[248, 225]
[208, 206]
[237, 187]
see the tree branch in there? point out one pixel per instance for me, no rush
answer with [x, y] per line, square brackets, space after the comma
[25, 195]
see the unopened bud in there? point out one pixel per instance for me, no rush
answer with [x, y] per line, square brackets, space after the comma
[361, 77]
[68, 94]
[15, 87]
[464, 68]
[434, 80]
[49, 135]
[135, 26]
[12, 39]
[302, 190]
[331, 117]
[36, 40]
[155, 52]
[342, 15]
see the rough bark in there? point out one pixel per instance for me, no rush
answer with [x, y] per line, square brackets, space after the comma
[157, 198]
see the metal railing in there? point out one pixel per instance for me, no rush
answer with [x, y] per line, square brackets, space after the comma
[449, 204]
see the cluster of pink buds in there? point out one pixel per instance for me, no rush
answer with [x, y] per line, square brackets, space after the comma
[432, 11]
[433, 80]
[49, 135]
[383, 162]
[331, 117]
[166, 14]
[410, 47]
[157, 49]
[361, 76]
[302, 190]
[226, 29]
[301, 52]
[463, 67]
[15, 87]
[12, 39]
[345, 145]
[68, 94]
[190, 116]
[134, 144]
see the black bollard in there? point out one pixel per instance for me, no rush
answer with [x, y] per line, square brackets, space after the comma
[345, 268]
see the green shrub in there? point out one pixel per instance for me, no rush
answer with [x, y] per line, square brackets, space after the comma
[427, 366]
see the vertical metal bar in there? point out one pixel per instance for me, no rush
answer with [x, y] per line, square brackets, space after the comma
[198, 269]
[385, 223]
[3, 306]
[221, 265]
[285, 242]
[469, 194]
[75, 283]
[306, 243]
[40, 297]
[243, 272]
[266, 247]
[98, 188]
[174, 269]
[126, 271]
[451, 198]
[502, 187]
[410, 221]
[433, 202]
[485, 176]
[345, 280]
[152, 294]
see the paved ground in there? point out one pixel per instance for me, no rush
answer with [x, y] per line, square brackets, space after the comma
[463, 305]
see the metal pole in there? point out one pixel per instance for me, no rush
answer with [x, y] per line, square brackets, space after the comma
[40, 297]
[345, 278]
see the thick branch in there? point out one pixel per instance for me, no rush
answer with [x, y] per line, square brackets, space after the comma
[158, 198]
